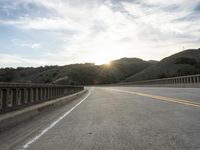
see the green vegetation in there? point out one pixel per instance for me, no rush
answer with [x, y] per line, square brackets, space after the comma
[184, 60]
[122, 70]
[184, 63]
[85, 74]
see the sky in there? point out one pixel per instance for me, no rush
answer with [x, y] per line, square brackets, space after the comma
[60, 32]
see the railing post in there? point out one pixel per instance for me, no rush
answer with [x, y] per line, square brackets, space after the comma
[59, 89]
[18, 95]
[63, 91]
[22, 96]
[173, 81]
[56, 92]
[25, 96]
[9, 96]
[47, 93]
[182, 80]
[53, 92]
[39, 94]
[50, 92]
[169, 81]
[31, 95]
[14, 97]
[191, 80]
[1, 99]
[36, 94]
[185, 81]
[44, 93]
[195, 79]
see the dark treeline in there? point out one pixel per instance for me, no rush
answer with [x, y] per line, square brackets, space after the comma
[85, 74]
[180, 64]
[122, 70]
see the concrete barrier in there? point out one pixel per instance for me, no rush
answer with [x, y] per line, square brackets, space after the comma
[15, 96]
[190, 81]
[11, 119]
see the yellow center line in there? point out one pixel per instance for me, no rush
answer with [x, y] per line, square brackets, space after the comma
[169, 99]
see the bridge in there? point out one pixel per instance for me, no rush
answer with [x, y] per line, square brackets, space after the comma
[15, 95]
[153, 114]
[181, 81]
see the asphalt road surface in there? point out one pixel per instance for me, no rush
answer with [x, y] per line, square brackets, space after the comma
[115, 118]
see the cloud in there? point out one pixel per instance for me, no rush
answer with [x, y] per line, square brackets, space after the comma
[35, 45]
[22, 43]
[23, 8]
[79, 31]
[17, 60]
[197, 8]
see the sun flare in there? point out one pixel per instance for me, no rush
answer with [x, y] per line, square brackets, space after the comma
[106, 56]
[102, 61]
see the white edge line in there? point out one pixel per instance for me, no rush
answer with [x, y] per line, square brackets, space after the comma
[25, 146]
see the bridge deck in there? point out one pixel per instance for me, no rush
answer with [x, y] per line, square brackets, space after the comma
[115, 118]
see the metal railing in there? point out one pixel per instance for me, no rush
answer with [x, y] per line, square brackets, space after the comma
[15, 95]
[181, 80]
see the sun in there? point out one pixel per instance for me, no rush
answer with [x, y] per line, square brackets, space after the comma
[103, 57]
[102, 61]
[108, 64]
[106, 54]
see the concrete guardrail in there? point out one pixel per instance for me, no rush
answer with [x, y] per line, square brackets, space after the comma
[14, 96]
[181, 81]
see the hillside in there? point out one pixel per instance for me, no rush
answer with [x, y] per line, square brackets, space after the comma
[183, 63]
[119, 70]
[85, 74]
[125, 69]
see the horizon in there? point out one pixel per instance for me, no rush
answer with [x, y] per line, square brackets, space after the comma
[94, 62]
[44, 33]
[108, 63]
[73, 64]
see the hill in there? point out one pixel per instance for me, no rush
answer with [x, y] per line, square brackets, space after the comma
[85, 74]
[183, 63]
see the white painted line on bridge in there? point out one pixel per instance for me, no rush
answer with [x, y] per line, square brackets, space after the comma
[25, 146]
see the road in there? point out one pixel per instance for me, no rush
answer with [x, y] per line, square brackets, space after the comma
[115, 118]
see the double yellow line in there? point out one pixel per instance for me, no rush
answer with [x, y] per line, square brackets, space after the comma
[169, 99]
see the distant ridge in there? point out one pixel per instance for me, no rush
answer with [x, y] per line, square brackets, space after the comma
[86, 74]
[183, 63]
[122, 70]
